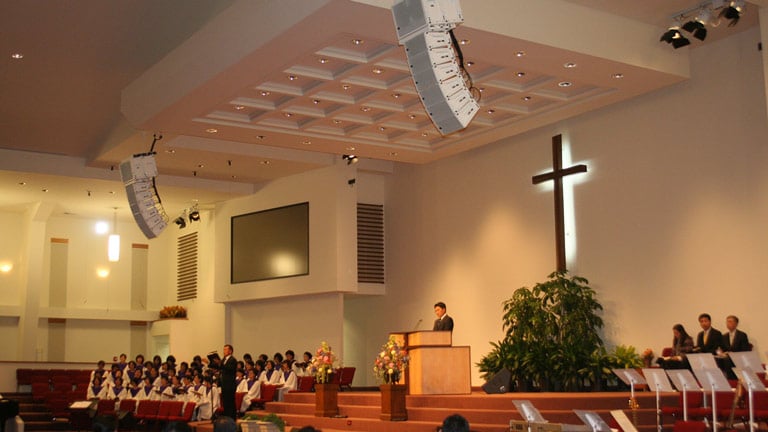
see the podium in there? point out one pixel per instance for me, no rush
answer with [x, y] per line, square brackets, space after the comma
[436, 367]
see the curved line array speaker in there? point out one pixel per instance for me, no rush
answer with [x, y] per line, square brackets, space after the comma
[138, 174]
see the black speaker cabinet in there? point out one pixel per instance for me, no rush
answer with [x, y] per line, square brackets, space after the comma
[499, 383]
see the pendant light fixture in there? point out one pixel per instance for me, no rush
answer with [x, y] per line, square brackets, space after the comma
[113, 245]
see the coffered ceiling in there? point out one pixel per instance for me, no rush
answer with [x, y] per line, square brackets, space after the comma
[243, 92]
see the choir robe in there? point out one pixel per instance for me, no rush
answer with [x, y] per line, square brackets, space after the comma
[118, 393]
[201, 396]
[163, 394]
[288, 383]
[267, 378]
[145, 393]
[252, 390]
[99, 392]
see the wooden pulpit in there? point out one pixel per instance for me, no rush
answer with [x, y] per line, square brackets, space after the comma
[436, 367]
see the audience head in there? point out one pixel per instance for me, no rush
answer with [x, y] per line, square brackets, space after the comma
[732, 321]
[305, 429]
[278, 358]
[177, 426]
[224, 424]
[705, 321]
[455, 423]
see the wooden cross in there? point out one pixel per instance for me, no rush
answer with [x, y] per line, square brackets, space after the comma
[557, 175]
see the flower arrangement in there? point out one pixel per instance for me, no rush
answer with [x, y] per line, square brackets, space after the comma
[323, 363]
[391, 362]
[647, 354]
[173, 312]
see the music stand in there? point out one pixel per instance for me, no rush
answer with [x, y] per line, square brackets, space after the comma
[713, 379]
[684, 381]
[747, 360]
[593, 420]
[623, 421]
[659, 382]
[529, 412]
[631, 378]
[701, 361]
[752, 382]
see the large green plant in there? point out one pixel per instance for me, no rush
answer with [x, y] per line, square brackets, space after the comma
[552, 331]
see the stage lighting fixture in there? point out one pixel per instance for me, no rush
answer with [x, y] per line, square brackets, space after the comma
[697, 26]
[181, 221]
[351, 159]
[733, 12]
[194, 216]
[674, 37]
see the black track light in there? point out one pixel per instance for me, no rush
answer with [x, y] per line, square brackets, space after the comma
[696, 28]
[181, 222]
[732, 13]
[350, 158]
[674, 37]
[194, 216]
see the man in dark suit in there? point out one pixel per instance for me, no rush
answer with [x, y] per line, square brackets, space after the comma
[443, 321]
[709, 340]
[735, 340]
[227, 372]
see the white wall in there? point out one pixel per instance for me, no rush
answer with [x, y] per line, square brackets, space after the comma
[669, 220]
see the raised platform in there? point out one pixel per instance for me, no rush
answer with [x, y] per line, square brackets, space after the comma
[359, 411]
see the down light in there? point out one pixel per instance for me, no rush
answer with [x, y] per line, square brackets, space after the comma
[17, 56]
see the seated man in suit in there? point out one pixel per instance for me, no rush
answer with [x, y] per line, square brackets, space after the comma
[443, 321]
[709, 340]
[735, 340]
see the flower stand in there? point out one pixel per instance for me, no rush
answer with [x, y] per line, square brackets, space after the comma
[393, 402]
[326, 399]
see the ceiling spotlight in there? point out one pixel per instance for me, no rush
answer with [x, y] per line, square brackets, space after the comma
[181, 222]
[697, 26]
[194, 216]
[350, 158]
[733, 12]
[674, 37]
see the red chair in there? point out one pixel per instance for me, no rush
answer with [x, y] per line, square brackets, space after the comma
[305, 384]
[169, 409]
[689, 426]
[186, 415]
[694, 399]
[723, 400]
[106, 407]
[59, 408]
[239, 396]
[40, 390]
[267, 395]
[23, 377]
[127, 405]
[667, 352]
[147, 410]
[346, 374]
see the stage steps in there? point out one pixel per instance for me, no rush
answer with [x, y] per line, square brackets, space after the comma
[359, 411]
[36, 416]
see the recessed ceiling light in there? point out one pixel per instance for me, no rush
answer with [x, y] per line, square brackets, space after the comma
[265, 93]
[170, 151]
[261, 137]
[212, 130]
[393, 153]
[292, 77]
[315, 101]
[44, 189]
[239, 107]
[323, 60]
[234, 176]
[346, 86]
[570, 65]
[382, 128]
[396, 95]
[200, 166]
[481, 89]
[288, 114]
[424, 134]
[520, 54]
[377, 70]
[350, 148]
[265, 162]
[357, 41]
[412, 116]
[527, 98]
[470, 63]
[306, 142]
[22, 183]
[464, 42]
[520, 74]
[17, 56]
[365, 109]
[564, 84]
[111, 192]
[335, 121]
[617, 76]
[490, 111]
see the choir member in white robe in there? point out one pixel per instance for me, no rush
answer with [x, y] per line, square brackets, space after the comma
[287, 381]
[163, 392]
[117, 391]
[96, 390]
[146, 391]
[99, 372]
[270, 375]
[199, 393]
[252, 389]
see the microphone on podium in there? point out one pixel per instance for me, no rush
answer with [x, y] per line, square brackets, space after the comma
[416, 327]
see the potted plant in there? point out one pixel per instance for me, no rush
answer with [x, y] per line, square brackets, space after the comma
[323, 365]
[552, 331]
[389, 368]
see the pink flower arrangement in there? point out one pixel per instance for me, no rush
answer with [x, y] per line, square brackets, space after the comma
[323, 363]
[391, 362]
